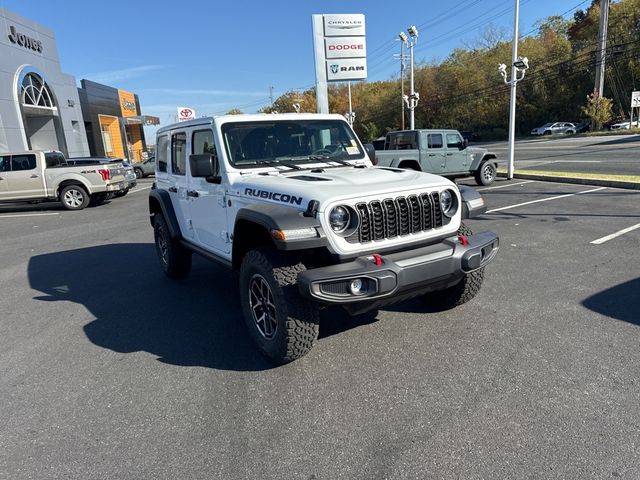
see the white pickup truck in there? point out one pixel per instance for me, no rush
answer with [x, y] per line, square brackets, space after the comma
[36, 175]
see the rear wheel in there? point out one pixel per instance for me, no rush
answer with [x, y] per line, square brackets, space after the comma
[175, 259]
[283, 324]
[74, 197]
[462, 291]
[486, 174]
[139, 173]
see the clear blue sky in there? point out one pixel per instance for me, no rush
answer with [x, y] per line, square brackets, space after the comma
[216, 55]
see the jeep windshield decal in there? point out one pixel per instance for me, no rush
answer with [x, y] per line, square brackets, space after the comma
[277, 196]
[287, 142]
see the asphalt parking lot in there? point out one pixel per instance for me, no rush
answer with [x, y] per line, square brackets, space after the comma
[110, 370]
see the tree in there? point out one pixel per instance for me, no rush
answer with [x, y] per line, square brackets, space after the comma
[234, 111]
[598, 109]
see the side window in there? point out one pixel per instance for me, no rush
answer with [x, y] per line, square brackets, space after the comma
[404, 141]
[434, 140]
[178, 153]
[23, 162]
[202, 142]
[453, 140]
[161, 153]
[5, 164]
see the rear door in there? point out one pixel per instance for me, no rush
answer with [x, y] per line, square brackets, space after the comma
[436, 152]
[177, 181]
[207, 201]
[5, 167]
[25, 179]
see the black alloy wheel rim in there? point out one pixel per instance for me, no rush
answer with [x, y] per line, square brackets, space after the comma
[263, 309]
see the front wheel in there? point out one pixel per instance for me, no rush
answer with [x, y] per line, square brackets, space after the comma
[486, 174]
[74, 197]
[175, 259]
[139, 173]
[462, 291]
[282, 324]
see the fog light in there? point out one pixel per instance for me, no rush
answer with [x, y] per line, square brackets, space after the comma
[356, 286]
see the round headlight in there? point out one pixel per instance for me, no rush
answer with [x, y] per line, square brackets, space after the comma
[448, 203]
[339, 218]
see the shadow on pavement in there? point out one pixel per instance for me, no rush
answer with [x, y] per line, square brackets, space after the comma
[618, 141]
[621, 302]
[192, 322]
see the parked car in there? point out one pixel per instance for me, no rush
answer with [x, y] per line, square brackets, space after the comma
[130, 179]
[583, 126]
[555, 128]
[624, 125]
[145, 168]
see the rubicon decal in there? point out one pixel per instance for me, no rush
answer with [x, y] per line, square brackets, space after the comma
[277, 196]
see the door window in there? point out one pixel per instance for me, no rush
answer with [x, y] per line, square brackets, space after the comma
[23, 162]
[453, 140]
[161, 153]
[178, 153]
[434, 140]
[5, 163]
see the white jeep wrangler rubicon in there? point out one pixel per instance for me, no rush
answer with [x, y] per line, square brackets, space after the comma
[294, 203]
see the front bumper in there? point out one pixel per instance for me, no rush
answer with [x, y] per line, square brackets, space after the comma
[386, 277]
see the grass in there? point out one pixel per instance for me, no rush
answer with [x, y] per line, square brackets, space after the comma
[586, 176]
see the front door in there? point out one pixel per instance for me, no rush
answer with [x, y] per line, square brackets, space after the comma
[177, 176]
[207, 202]
[456, 157]
[5, 167]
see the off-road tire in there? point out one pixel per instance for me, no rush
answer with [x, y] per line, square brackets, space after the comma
[175, 260]
[74, 197]
[462, 291]
[296, 318]
[97, 199]
[486, 173]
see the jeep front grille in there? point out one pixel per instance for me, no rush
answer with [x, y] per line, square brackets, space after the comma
[394, 217]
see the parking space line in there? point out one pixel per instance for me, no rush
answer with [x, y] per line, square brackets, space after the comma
[616, 234]
[140, 189]
[28, 215]
[545, 200]
[504, 186]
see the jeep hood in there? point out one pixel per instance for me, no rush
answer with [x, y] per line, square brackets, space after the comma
[298, 187]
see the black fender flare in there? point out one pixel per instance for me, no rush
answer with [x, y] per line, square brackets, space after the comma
[160, 203]
[472, 202]
[281, 218]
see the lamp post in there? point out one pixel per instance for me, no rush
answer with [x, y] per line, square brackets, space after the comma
[518, 64]
[412, 99]
[403, 43]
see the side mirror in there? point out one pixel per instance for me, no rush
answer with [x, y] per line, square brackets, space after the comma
[464, 144]
[371, 152]
[205, 165]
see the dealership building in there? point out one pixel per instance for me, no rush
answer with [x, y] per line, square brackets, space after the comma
[41, 107]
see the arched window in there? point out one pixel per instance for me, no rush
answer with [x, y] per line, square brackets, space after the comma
[35, 92]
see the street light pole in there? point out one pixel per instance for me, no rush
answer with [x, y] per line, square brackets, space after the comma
[413, 96]
[403, 42]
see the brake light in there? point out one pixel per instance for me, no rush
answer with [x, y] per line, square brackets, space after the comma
[105, 174]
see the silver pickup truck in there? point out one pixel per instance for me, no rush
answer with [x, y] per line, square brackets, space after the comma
[443, 152]
[37, 175]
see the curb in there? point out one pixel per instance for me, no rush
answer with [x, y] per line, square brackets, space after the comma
[576, 180]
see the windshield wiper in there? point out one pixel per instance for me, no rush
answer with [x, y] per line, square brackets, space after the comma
[327, 158]
[275, 163]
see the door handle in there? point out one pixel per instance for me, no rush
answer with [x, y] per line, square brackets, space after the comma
[34, 176]
[173, 189]
[192, 193]
[432, 154]
[448, 154]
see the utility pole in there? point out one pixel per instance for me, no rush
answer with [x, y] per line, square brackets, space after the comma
[602, 47]
[412, 99]
[403, 41]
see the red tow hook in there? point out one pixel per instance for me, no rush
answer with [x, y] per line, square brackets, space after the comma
[464, 241]
[377, 259]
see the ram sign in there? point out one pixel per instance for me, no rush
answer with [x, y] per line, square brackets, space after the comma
[346, 69]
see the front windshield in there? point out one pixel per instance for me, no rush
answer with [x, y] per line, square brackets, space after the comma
[292, 141]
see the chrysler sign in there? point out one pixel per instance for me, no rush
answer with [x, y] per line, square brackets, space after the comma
[350, 25]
